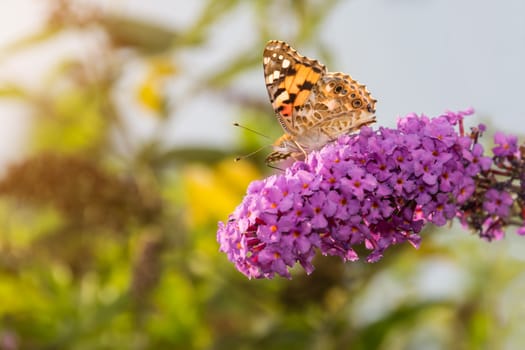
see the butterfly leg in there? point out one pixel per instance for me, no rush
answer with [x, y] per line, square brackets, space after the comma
[300, 148]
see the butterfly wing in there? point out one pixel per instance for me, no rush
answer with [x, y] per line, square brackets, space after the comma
[313, 106]
[344, 124]
[290, 78]
[342, 105]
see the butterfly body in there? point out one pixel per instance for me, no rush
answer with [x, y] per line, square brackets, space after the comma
[312, 105]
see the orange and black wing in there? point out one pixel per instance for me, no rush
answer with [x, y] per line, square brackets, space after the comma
[290, 78]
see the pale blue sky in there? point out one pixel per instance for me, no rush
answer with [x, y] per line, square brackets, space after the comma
[414, 56]
[423, 56]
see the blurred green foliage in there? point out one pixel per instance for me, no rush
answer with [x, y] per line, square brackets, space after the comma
[109, 243]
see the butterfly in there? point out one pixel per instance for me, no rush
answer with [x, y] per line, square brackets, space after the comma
[313, 106]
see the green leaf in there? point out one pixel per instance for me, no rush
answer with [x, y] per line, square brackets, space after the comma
[29, 41]
[192, 154]
[245, 61]
[73, 123]
[138, 34]
[213, 11]
[13, 91]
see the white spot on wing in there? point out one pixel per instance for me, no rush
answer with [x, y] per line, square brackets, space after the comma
[331, 104]
[276, 75]
[281, 57]
[283, 96]
[286, 63]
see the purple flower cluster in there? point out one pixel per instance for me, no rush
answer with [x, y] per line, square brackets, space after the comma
[498, 200]
[372, 190]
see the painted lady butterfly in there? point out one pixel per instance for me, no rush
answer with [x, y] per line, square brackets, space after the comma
[313, 106]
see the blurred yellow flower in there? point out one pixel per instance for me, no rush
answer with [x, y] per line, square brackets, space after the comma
[150, 91]
[213, 192]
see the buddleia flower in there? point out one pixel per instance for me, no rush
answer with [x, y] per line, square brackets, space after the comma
[376, 189]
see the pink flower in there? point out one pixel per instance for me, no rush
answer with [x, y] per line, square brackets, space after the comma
[374, 190]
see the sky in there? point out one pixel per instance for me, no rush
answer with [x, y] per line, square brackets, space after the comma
[423, 56]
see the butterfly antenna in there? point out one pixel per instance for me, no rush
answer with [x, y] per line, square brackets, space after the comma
[254, 131]
[274, 167]
[251, 153]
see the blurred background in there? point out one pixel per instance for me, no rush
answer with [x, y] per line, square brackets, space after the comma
[116, 163]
